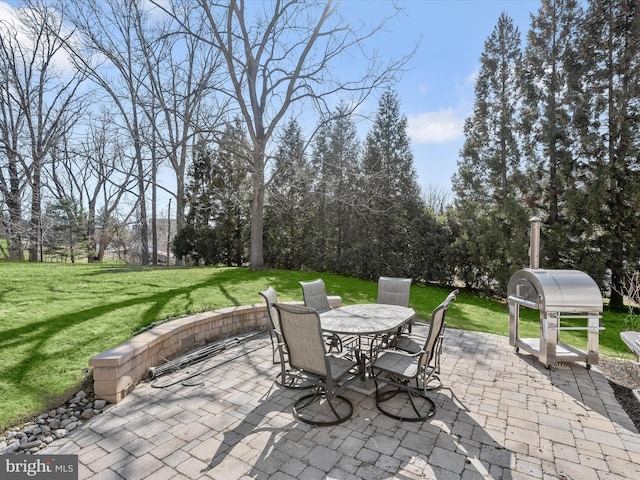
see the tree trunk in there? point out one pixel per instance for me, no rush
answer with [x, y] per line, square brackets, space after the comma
[256, 260]
[154, 200]
[144, 231]
[14, 226]
[34, 222]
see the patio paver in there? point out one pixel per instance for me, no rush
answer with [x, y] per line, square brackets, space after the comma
[500, 415]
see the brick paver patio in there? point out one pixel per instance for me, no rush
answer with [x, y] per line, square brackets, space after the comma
[500, 415]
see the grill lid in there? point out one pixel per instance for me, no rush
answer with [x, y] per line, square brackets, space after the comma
[556, 290]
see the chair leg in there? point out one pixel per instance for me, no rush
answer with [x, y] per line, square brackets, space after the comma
[433, 376]
[315, 398]
[274, 347]
[412, 394]
[291, 379]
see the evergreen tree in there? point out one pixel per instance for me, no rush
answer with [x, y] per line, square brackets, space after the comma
[550, 148]
[491, 220]
[216, 228]
[389, 240]
[608, 125]
[194, 242]
[335, 164]
[287, 203]
[64, 232]
[199, 186]
[231, 196]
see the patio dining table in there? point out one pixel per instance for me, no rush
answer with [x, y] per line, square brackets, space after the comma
[369, 320]
[366, 319]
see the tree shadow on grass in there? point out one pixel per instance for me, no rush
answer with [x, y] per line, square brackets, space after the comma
[52, 339]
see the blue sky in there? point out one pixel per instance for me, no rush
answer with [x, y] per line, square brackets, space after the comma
[437, 94]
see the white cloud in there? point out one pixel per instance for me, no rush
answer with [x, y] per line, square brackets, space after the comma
[6, 12]
[435, 127]
[472, 77]
[11, 26]
[5, 9]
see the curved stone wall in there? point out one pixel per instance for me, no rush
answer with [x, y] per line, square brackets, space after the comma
[117, 371]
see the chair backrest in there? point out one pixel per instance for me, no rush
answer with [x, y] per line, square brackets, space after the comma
[394, 291]
[271, 298]
[303, 337]
[436, 326]
[315, 295]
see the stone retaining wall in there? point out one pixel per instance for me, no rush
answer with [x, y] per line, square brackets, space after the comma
[117, 371]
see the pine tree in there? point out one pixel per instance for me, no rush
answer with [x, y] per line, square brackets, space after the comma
[335, 164]
[216, 228]
[389, 241]
[608, 125]
[287, 203]
[231, 196]
[550, 148]
[491, 219]
[199, 186]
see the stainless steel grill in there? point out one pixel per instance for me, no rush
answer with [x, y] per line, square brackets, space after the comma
[557, 294]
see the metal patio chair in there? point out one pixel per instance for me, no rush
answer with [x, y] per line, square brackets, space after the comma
[315, 296]
[331, 374]
[401, 370]
[414, 342]
[393, 291]
[287, 378]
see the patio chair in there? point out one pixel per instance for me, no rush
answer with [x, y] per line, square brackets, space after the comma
[414, 342]
[307, 352]
[315, 296]
[394, 291]
[399, 369]
[287, 378]
[271, 297]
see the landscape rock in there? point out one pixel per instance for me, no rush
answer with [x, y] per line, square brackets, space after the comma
[30, 445]
[11, 448]
[49, 426]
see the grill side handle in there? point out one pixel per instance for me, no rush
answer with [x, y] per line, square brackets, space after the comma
[523, 302]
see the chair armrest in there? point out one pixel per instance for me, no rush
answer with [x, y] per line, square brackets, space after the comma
[397, 352]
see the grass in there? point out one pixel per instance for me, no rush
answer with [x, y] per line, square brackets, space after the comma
[54, 317]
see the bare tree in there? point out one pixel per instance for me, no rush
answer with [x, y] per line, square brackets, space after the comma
[111, 56]
[437, 199]
[92, 173]
[629, 291]
[45, 95]
[286, 59]
[12, 176]
[181, 73]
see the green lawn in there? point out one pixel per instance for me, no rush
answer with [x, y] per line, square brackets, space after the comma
[54, 317]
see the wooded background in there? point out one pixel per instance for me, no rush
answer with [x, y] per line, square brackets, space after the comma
[97, 97]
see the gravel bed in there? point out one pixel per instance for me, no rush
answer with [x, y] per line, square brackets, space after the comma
[34, 435]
